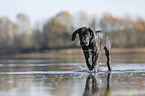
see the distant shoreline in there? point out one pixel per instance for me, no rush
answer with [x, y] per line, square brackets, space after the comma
[70, 53]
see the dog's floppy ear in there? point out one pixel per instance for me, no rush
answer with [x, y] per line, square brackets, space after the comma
[74, 34]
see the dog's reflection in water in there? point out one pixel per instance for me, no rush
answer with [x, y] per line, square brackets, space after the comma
[92, 88]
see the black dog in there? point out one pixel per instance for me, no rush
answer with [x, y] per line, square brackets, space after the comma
[93, 43]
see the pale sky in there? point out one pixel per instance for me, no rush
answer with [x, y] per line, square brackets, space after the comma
[38, 10]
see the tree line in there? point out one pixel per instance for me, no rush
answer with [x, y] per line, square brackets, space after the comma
[56, 32]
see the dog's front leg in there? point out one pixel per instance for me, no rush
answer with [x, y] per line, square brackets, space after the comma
[87, 57]
[95, 57]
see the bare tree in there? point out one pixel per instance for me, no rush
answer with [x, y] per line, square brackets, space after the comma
[25, 30]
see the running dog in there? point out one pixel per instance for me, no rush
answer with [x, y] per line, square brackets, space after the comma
[92, 43]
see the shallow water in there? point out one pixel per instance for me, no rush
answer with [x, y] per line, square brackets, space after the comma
[67, 77]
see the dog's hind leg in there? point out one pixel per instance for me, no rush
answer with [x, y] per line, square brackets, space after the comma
[107, 53]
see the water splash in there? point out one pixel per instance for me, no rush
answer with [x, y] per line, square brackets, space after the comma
[81, 67]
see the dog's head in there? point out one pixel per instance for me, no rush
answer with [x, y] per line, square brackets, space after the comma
[86, 34]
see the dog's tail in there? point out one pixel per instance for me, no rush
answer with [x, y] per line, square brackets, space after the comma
[98, 31]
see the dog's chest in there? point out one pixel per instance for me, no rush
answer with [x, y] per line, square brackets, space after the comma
[89, 51]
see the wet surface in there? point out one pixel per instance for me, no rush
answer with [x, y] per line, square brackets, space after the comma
[61, 77]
